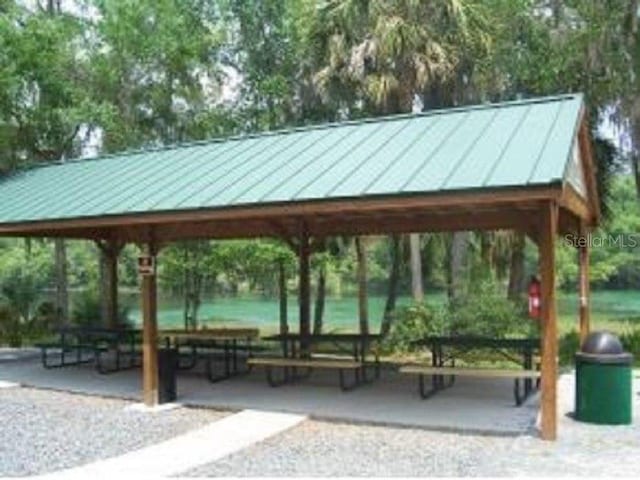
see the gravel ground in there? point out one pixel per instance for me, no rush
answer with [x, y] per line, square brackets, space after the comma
[43, 431]
[330, 449]
[327, 449]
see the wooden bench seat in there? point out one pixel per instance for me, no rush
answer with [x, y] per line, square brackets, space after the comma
[306, 363]
[470, 372]
[290, 365]
[439, 373]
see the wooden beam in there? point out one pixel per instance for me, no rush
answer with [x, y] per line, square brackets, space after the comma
[549, 341]
[447, 221]
[95, 227]
[590, 170]
[149, 335]
[304, 255]
[575, 203]
[583, 284]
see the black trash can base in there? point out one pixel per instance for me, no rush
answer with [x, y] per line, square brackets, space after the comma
[167, 367]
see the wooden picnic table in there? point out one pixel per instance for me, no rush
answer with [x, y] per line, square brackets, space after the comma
[296, 357]
[219, 343]
[445, 349]
[93, 342]
[358, 345]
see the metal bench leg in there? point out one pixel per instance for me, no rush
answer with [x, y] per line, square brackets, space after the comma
[210, 369]
[273, 382]
[436, 386]
[345, 387]
[518, 395]
[47, 364]
[192, 359]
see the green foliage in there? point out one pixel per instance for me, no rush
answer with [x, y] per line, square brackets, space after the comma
[568, 345]
[484, 310]
[10, 326]
[86, 308]
[631, 341]
[24, 277]
[413, 322]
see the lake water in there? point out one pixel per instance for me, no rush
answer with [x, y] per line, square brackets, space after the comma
[342, 313]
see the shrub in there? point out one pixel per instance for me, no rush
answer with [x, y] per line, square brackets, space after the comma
[413, 322]
[86, 308]
[569, 344]
[10, 325]
[631, 342]
[485, 311]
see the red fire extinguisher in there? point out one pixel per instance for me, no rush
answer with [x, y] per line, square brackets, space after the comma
[534, 297]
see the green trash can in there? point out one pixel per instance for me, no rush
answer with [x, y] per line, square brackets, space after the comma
[603, 381]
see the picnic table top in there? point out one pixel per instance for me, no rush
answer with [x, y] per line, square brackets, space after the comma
[479, 341]
[95, 330]
[212, 333]
[325, 337]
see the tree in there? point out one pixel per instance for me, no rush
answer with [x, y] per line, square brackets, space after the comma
[363, 308]
[417, 290]
[395, 259]
[154, 65]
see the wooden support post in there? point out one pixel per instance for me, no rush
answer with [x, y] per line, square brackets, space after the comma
[583, 283]
[304, 254]
[549, 342]
[149, 336]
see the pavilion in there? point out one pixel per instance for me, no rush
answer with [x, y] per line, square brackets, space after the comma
[524, 165]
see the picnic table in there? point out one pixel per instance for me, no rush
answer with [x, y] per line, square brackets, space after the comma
[445, 349]
[226, 344]
[356, 346]
[90, 343]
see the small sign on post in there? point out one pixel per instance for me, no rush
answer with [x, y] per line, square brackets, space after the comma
[146, 265]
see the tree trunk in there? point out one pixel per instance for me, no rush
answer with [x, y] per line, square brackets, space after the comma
[516, 269]
[392, 292]
[62, 290]
[185, 289]
[104, 286]
[28, 244]
[486, 248]
[304, 293]
[416, 268]
[635, 164]
[363, 311]
[318, 312]
[459, 247]
[282, 284]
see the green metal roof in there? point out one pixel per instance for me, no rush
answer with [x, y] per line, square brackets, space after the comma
[481, 147]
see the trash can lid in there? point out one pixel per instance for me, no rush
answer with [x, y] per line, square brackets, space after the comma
[605, 348]
[602, 343]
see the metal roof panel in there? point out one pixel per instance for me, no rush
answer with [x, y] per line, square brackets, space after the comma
[484, 146]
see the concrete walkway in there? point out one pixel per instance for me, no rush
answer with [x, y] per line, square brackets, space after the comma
[472, 405]
[199, 447]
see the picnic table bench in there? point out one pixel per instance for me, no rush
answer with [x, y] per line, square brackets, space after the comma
[438, 373]
[445, 349]
[355, 349]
